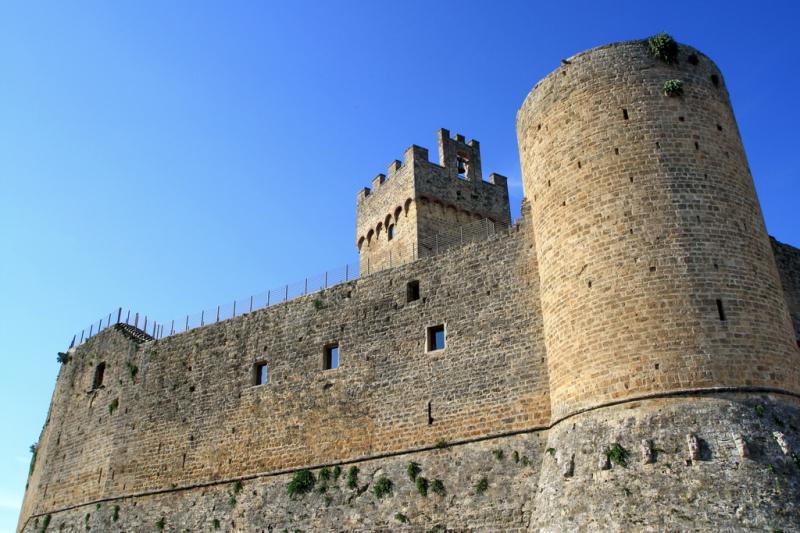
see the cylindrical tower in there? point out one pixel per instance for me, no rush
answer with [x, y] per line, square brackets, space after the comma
[656, 271]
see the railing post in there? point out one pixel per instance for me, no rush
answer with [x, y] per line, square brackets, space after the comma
[73, 341]
[203, 317]
[251, 304]
[305, 287]
[128, 318]
[172, 328]
[136, 321]
[326, 279]
[217, 313]
[187, 323]
[234, 309]
[81, 341]
[91, 329]
[268, 293]
[119, 315]
[286, 294]
[144, 328]
[346, 272]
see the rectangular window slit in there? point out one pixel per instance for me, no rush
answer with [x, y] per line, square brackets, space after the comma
[331, 358]
[435, 339]
[99, 372]
[721, 310]
[625, 114]
[412, 291]
[430, 414]
[260, 374]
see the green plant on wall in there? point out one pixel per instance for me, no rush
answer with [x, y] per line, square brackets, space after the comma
[337, 471]
[617, 454]
[352, 477]
[400, 517]
[437, 487]
[412, 470]
[113, 406]
[382, 487]
[481, 486]
[46, 522]
[662, 46]
[324, 473]
[115, 514]
[132, 370]
[215, 524]
[160, 523]
[302, 482]
[498, 454]
[673, 88]
[34, 449]
[422, 485]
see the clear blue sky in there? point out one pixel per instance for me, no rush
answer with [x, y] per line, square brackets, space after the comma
[169, 156]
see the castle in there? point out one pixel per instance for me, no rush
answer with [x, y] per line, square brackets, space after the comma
[624, 357]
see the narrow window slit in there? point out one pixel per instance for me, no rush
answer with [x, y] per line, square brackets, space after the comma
[624, 113]
[430, 413]
[721, 310]
[412, 291]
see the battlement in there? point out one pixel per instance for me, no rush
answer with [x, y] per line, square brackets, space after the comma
[459, 158]
[418, 199]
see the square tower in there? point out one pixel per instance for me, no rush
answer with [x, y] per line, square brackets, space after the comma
[419, 208]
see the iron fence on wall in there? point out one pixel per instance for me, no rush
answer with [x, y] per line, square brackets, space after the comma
[428, 247]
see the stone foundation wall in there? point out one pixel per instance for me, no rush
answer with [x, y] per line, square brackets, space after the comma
[743, 475]
[509, 465]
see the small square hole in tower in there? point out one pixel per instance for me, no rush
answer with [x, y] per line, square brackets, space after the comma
[412, 291]
[436, 338]
[331, 357]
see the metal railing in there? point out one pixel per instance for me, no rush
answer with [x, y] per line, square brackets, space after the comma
[398, 255]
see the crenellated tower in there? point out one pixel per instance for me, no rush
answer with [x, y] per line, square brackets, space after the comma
[418, 205]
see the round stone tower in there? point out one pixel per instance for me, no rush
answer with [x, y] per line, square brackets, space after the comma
[662, 306]
[655, 266]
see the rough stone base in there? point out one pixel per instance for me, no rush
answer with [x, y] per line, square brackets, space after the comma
[263, 504]
[692, 464]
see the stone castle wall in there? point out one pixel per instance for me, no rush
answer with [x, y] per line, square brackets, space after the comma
[788, 260]
[191, 414]
[656, 270]
[590, 378]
